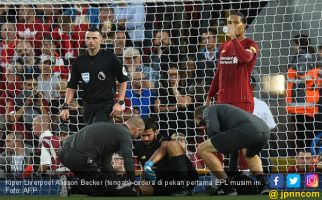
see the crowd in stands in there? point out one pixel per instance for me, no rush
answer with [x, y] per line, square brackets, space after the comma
[168, 77]
[38, 46]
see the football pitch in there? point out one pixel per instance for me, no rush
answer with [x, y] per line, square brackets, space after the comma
[196, 196]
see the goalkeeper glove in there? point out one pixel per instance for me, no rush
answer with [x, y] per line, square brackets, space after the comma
[149, 173]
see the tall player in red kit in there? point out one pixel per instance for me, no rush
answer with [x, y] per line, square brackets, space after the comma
[237, 58]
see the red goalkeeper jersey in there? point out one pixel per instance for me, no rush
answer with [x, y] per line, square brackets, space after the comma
[231, 83]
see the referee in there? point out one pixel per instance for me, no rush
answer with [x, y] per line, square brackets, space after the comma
[95, 72]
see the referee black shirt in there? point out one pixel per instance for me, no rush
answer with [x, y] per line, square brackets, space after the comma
[95, 75]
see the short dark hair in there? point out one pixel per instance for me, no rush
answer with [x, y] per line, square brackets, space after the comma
[28, 77]
[200, 110]
[150, 124]
[47, 37]
[241, 15]
[302, 40]
[320, 47]
[212, 30]
[94, 29]
[65, 19]
[160, 31]
[47, 62]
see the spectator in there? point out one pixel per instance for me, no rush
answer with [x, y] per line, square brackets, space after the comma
[47, 15]
[161, 39]
[16, 155]
[197, 92]
[120, 43]
[30, 28]
[210, 51]
[189, 70]
[302, 95]
[163, 52]
[11, 86]
[13, 78]
[303, 52]
[21, 110]
[202, 40]
[49, 52]
[208, 56]
[82, 14]
[106, 13]
[3, 128]
[173, 104]
[142, 98]
[71, 37]
[64, 35]
[48, 81]
[118, 164]
[131, 17]
[132, 59]
[108, 33]
[304, 162]
[26, 59]
[48, 144]
[4, 13]
[8, 43]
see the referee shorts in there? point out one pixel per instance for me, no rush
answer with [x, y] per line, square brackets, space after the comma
[235, 139]
[98, 112]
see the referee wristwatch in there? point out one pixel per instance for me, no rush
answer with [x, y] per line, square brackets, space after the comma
[65, 106]
[121, 102]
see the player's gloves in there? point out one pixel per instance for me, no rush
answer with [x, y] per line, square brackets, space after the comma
[149, 173]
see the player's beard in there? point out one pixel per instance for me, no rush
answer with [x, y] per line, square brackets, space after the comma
[148, 143]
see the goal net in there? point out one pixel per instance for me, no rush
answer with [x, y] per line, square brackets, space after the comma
[170, 50]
